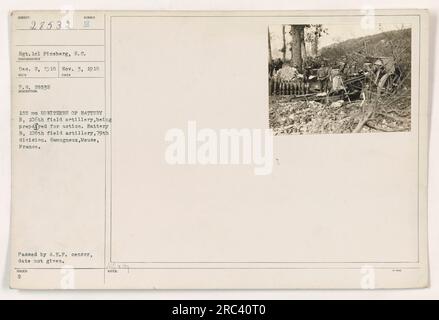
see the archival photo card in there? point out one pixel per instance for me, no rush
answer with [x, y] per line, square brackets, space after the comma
[216, 150]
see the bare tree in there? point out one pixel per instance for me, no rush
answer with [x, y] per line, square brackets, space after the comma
[302, 43]
[270, 56]
[315, 31]
[284, 46]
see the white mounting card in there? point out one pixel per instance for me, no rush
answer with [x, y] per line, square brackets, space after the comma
[211, 150]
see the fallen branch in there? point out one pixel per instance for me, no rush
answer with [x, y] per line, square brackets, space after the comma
[394, 118]
[370, 125]
[362, 122]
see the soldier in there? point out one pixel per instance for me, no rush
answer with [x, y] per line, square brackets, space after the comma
[306, 75]
[378, 69]
[323, 77]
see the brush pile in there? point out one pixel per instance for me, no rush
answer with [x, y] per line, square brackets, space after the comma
[312, 117]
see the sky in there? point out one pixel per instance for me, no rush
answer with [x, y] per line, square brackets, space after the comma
[336, 33]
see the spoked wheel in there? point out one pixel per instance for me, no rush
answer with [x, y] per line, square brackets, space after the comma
[387, 85]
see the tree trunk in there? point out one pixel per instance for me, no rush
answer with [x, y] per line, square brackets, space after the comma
[284, 47]
[296, 46]
[270, 56]
[315, 44]
[302, 43]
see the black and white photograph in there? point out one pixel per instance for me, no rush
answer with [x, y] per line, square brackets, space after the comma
[339, 78]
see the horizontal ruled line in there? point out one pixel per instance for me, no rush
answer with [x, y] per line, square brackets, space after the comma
[84, 61]
[210, 268]
[60, 77]
[59, 29]
[59, 45]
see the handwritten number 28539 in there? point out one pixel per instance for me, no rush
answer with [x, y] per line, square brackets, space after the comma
[50, 25]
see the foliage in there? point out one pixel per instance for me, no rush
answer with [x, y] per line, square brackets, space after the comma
[394, 44]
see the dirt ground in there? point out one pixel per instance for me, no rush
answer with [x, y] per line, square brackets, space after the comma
[288, 116]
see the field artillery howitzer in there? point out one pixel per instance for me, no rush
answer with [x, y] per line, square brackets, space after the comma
[379, 76]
